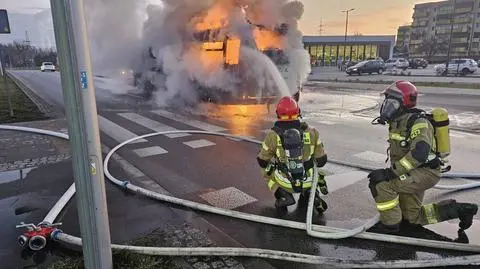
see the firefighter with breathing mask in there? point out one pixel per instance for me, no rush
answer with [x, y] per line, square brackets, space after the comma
[418, 145]
[288, 155]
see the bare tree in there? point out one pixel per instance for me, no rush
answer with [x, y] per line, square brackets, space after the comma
[432, 46]
[23, 55]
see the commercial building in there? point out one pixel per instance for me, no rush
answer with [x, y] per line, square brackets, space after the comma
[329, 50]
[458, 20]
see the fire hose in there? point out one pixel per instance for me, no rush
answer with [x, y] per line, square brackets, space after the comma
[313, 230]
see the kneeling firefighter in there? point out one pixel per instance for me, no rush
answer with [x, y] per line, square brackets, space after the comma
[419, 143]
[288, 155]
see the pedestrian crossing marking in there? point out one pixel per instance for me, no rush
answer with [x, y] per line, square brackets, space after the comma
[117, 132]
[371, 156]
[325, 122]
[191, 122]
[199, 143]
[152, 124]
[338, 181]
[150, 151]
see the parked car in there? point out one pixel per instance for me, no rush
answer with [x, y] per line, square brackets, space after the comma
[47, 66]
[369, 67]
[461, 67]
[397, 63]
[418, 62]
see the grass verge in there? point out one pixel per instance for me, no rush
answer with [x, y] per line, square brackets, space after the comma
[23, 108]
[475, 86]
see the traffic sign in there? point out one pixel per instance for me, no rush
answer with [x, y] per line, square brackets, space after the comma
[4, 24]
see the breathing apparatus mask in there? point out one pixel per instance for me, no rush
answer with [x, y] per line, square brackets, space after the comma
[293, 145]
[390, 108]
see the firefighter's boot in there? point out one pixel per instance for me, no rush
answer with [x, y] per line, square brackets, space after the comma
[319, 204]
[284, 198]
[450, 209]
[418, 231]
[385, 229]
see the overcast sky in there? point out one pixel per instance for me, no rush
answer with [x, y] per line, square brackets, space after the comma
[369, 17]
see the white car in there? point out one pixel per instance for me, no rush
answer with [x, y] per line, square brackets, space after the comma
[462, 67]
[400, 63]
[47, 66]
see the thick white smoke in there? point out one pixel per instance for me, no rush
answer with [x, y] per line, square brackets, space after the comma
[115, 32]
[156, 41]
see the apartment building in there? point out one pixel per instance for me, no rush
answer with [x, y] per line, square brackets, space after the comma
[438, 18]
[403, 35]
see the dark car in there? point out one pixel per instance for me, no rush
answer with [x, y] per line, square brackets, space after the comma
[370, 67]
[417, 63]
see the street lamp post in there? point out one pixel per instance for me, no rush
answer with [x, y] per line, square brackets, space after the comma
[346, 33]
[450, 37]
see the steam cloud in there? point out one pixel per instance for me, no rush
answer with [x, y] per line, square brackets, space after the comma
[126, 33]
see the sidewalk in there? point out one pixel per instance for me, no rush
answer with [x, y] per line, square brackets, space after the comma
[19, 150]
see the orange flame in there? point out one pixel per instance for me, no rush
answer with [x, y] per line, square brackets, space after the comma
[215, 17]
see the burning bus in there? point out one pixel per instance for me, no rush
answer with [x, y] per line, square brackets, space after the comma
[229, 56]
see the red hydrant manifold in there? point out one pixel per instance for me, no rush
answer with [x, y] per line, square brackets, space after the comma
[36, 236]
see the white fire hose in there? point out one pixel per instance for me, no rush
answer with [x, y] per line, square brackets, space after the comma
[313, 230]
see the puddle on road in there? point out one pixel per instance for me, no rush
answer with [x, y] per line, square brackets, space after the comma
[14, 175]
[450, 229]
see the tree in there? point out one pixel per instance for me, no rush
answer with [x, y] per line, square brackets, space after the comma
[432, 46]
[22, 55]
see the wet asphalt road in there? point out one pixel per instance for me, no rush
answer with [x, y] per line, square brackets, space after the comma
[231, 164]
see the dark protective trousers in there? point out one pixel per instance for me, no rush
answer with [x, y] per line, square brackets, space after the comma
[403, 198]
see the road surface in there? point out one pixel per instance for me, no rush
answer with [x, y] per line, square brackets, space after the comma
[224, 173]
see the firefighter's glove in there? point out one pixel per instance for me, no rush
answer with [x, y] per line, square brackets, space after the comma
[377, 176]
[322, 184]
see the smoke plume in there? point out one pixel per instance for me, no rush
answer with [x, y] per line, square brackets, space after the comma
[159, 41]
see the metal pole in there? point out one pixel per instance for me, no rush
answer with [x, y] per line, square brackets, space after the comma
[5, 82]
[346, 33]
[450, 39]
[81, 111]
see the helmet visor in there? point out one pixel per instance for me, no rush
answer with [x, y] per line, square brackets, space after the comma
[388, 110]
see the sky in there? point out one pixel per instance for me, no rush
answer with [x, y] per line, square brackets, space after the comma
[370, 17]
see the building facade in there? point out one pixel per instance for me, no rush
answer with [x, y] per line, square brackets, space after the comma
[403, 35]
[458, 20]
[331, 50]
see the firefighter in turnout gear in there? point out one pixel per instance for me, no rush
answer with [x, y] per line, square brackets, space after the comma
[416, 141]
[288, 155]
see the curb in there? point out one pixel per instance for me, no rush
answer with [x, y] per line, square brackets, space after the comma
[471, 86]
[44, 107]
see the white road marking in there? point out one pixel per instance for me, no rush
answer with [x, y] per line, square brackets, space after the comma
[326, 122]
[199, 143]
[194, 123]
[461, 134]
[372, 156]
[151, 124]
[150, 151]
[339, 181]
[228, 198]
[457, 134]
[117, 132]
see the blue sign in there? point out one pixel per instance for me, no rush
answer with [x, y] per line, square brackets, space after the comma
[84, 80]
